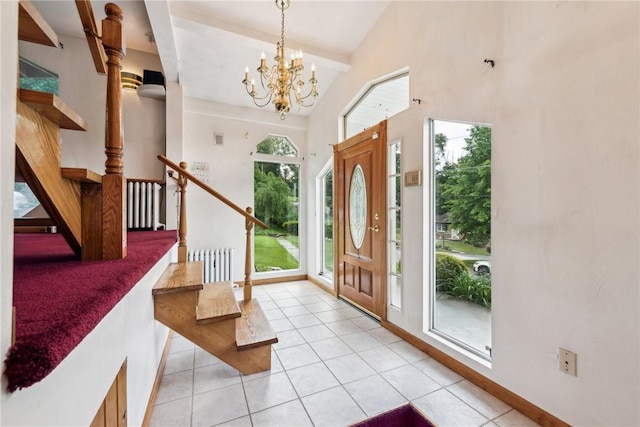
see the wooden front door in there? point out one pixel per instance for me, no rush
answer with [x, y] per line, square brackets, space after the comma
[360, 218]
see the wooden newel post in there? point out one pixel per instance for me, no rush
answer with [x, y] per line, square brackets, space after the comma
[114, 242]
[247, 259]
[182, 229]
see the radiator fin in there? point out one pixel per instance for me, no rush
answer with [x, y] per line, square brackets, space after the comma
[143, 205]
[217, 263]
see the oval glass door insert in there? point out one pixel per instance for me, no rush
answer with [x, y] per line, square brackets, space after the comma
[357, 207]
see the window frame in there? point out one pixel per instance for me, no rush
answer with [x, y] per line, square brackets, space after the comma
[282, 159]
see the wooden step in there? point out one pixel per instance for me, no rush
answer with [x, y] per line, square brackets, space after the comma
[216, 302]
[81, 175]
[53, 108]
[32, 27]
[253, 328]
[179, 277]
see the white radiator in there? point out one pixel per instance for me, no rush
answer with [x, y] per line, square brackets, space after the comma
[143, 205]
[218, 263]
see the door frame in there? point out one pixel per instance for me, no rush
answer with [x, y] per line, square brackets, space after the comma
[379, 184]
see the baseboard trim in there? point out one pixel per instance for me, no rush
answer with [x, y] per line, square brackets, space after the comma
[522, 405]
[156, 383]
[258, 282]
[322, 286]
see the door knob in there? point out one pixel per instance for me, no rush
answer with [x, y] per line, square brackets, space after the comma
[376, 228]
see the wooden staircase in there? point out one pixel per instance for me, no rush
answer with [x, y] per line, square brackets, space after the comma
[87, 208]
[208, 314]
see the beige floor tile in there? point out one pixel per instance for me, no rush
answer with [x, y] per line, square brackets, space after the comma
[176, 413]
[288, 339]
[178, 362]
[344, 327]
[304, 321]
[445, 409]
[349, 368]
[333, 407]
[407, 351]
[409, 381]
[440, 373]
[361, 341]
[374, 395]
[285, 415]
[312, 379]
[316, 333]
[175, 386]
[213, 377]
[479, 399]
[382, 359]
[331, 348]
[266, 392]
[219, 406]
[296, 356]
[514, 418]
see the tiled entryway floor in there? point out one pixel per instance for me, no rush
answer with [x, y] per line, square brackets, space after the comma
[332, 366]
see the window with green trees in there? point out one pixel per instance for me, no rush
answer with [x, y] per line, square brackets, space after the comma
[326, 243]
[276, 189]
[461, 230]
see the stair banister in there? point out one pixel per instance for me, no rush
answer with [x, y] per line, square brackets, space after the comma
[250, 220]
[247, 257]
[182, 228]
[114, 243]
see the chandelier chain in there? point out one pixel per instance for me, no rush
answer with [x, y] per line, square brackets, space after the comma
[282, 83]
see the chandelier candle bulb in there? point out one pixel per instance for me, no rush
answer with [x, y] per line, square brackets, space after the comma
[284, 77]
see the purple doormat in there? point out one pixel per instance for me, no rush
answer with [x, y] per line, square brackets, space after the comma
[402, 416]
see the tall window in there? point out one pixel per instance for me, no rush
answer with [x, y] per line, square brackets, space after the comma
[276, 200]
[461, 234]
[326, 218]
[394, 215]
[381, 101]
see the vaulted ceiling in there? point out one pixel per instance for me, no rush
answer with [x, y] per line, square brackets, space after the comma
[206, 45]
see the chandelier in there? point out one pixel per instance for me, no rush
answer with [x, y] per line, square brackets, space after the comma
[283, 78]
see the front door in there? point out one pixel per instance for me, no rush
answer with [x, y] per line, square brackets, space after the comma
[360, 237]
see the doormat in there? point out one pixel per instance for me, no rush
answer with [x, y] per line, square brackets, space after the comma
[402, 416]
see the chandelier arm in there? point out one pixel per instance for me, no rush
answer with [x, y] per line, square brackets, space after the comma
[284, 77]
[262, 105]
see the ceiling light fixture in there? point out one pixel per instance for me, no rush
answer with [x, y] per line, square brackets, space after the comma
[279, 80]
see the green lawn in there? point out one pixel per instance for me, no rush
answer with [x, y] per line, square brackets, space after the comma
[460, 247]
[270, 253]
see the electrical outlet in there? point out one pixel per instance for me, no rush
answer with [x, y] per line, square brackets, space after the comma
[567, 361]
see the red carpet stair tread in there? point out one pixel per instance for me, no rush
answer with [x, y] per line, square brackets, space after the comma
[59, 299]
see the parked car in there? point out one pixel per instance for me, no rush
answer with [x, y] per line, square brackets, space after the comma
[482, 267]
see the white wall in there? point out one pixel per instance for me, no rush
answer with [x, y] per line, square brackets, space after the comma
[72, 393]
[8, 66]
[84, 90]
[563, 101]
[212, 224]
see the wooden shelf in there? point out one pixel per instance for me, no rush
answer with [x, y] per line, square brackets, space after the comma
[33, 28]
[81, 175]
[53, 108]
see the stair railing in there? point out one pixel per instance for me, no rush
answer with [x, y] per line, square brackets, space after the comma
[183, 177]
